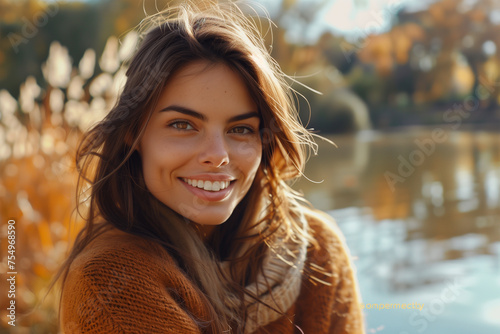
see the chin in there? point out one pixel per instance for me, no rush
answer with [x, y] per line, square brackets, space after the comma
[202, 216]
[209, 219]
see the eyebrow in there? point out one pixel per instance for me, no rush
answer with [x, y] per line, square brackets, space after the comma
[190, 112]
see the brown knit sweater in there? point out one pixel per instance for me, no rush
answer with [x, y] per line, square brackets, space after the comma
[122, 283]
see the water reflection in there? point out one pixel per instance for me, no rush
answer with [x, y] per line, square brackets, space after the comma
[418, 215]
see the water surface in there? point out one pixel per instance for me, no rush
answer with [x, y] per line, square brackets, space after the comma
[420, 210]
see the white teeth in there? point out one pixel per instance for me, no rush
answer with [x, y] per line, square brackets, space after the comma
[208, 185]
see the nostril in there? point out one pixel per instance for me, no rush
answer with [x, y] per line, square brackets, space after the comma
[216, 160]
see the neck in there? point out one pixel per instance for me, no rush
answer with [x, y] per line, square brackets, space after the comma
[204, 231]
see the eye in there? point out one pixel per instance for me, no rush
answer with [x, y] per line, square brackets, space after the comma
[181, 125]
[242, 130]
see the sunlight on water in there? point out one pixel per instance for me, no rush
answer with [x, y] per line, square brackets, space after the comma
[432, 236]
[492, 188]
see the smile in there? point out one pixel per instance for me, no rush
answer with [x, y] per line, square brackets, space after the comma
[207, 185]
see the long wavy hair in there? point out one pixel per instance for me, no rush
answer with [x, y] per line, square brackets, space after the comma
[111, 182]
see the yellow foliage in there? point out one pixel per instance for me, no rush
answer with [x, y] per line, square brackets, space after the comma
[413, 31]
[402, 45]
[37, 190]
[385, 50]
[437, 12]
[477, 15]
[41, 271]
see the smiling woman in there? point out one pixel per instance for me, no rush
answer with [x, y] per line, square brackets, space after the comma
[205, 137]
[191, 225]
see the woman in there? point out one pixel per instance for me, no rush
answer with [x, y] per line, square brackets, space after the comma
[192, 227]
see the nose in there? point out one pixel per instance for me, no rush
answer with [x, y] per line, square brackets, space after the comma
[214, 152]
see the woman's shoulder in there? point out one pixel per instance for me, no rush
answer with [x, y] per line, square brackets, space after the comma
[116, 247]
[329, 281]
[118, 259]
[125, 283]
[328, 249]
[325, 230]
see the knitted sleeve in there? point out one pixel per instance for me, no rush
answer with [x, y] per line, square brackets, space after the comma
[126, 287]
[329, 301]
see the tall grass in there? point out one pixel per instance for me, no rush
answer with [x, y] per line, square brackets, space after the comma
[39, 133]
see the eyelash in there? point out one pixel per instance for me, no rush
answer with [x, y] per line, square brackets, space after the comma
[175, 124]
[248, 128]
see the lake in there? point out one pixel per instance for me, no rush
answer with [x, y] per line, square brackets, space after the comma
[420, 210]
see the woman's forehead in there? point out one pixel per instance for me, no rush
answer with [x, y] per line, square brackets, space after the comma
[203, 85]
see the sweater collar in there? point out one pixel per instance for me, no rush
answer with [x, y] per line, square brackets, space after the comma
[282, 271]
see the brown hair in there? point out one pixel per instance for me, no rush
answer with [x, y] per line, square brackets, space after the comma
[111, 180]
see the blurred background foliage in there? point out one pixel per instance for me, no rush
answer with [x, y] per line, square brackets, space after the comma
[429, 58]
[60, 71]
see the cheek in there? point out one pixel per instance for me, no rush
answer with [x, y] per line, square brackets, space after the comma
[151, 170]
[257, 160]
[157, 161]
[249, 155]
[160, 164]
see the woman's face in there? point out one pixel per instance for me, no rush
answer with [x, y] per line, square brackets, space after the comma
[201, 148]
